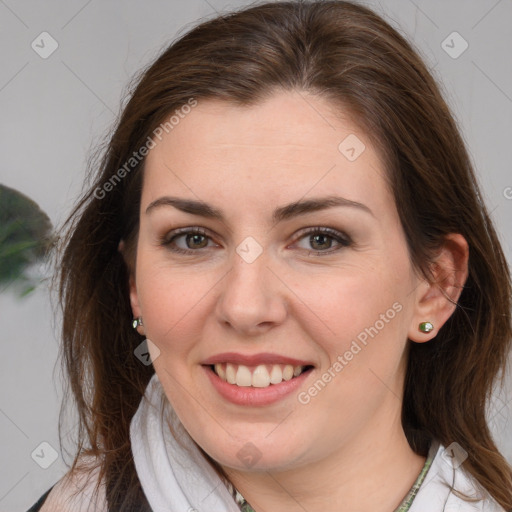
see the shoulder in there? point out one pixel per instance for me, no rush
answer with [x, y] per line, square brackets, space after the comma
[78, 491]
[446, 481]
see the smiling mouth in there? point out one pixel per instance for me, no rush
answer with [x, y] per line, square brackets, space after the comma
[260, 376]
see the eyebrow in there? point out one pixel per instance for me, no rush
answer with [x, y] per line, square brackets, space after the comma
[280, 214]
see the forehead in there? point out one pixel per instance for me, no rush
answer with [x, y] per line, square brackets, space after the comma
[294, 119]
[285, 147]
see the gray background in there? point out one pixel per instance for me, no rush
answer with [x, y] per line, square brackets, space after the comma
[54, 111]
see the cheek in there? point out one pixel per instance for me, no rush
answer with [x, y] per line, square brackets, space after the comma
[364, 337]
[365, 349]
[171, 300]
[352, 306]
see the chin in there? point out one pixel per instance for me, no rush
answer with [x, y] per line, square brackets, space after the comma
[256, 456]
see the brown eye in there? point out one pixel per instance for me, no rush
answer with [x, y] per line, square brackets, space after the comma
[195, 241]
[320, 241]
[187, 240]
[323, 240]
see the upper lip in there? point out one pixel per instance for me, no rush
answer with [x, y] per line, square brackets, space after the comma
[254, 359]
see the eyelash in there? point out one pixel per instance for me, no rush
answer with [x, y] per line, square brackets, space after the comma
[342, 239]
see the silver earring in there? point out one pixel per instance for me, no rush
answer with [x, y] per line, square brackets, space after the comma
[137, 322]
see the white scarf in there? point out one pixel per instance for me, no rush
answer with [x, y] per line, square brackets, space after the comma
[174, 477]
[178, 478]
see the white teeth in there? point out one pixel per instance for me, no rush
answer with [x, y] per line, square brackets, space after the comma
[230, 374]
[288, 372]
[276, 375]
[260, 377]
[243, 376]
[219, 370]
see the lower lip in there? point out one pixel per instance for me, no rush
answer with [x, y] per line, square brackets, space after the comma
[247, 395]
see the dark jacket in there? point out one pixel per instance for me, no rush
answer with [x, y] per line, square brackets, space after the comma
[115, 502]
[37, 506]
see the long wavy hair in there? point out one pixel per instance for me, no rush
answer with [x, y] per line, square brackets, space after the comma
[349, 55]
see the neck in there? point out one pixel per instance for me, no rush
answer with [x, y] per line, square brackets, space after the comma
[370, 472]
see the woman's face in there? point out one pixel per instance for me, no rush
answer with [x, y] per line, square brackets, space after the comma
[269, 242]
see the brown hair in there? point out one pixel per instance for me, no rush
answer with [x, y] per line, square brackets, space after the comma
[349, 55]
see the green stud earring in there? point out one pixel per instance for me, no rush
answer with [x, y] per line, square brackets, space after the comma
[137, 322]
[426, 327]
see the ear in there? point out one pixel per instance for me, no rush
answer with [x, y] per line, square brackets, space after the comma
[436, 301]
[134, 298]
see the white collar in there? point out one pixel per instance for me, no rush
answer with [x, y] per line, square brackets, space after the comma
[445, 475]
[174, 477]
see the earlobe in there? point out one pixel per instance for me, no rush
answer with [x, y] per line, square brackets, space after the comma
[134, 298]
[136, 309]
[436, 301]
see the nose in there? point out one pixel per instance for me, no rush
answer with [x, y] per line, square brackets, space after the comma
[252, 299]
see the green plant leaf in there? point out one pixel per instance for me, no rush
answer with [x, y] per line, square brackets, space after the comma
[25, 238]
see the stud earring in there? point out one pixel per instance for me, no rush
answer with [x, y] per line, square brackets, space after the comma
[137, 322]
[426, 327]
